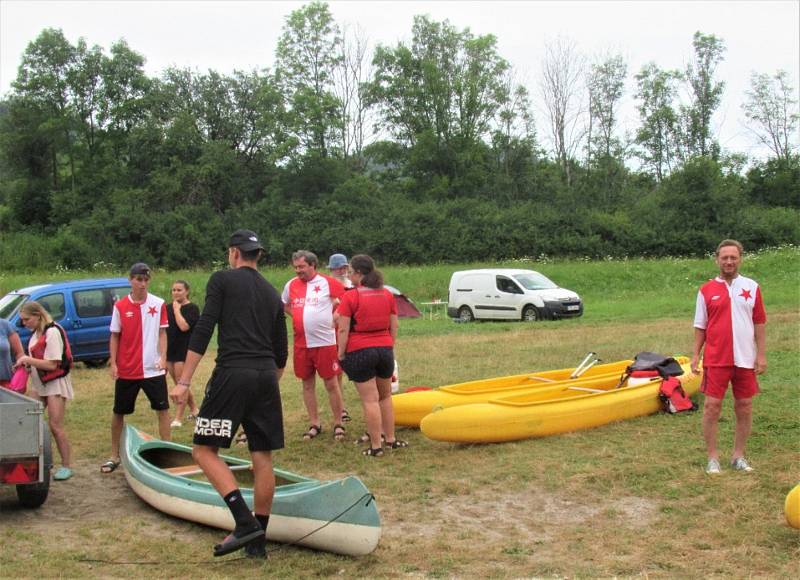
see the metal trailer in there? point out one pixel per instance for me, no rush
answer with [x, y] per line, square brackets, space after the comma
[26, 457]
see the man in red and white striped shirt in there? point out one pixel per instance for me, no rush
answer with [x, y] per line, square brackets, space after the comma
[310, 299]
[138, 350]
[730, 323]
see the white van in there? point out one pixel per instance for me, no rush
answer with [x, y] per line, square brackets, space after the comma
[509, 294]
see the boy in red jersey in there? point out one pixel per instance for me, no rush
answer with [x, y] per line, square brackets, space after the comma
[730, 323]
[138, 350]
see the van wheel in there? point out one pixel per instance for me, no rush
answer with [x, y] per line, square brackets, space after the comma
[531, 314]
[95, 363]
[465, 314]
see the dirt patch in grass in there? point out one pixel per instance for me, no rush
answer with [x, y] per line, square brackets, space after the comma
[95, 501]
[511, 521]
[90, 498]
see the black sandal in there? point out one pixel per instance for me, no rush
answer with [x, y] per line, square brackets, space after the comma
[339, 432]
[373, 452]
[397, 444]
[312, 432]
[345, 416]
[365, 438]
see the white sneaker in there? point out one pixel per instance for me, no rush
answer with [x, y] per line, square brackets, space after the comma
[740, 464]
[713, 467]
[175, 424]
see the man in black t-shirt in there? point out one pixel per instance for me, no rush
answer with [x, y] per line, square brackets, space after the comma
[243, 389]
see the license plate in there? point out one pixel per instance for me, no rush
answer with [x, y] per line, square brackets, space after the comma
[574, 307]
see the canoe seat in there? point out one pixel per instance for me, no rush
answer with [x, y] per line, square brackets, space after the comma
[184, 470]
[187, 470]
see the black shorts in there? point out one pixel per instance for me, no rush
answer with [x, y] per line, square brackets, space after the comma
[367, 363]
[241, 396]
[126, 391]
[177, 349]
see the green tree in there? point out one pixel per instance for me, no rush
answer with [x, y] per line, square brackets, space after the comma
[43, 80]
[440, 97]
[606, 87]
[656, 135]
[705, 95]
[776, 182]
[772, 111]
[308, 53]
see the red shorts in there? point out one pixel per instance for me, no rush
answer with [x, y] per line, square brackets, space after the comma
[716, 379]
[322, 359]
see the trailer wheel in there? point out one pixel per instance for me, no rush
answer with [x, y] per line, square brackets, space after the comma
[34, 495]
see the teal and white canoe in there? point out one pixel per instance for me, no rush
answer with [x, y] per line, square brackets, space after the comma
[335, 516]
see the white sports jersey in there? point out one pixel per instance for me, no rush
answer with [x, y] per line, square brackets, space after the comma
[138, 325]
[728, 313]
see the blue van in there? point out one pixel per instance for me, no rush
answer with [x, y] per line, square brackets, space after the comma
[82, 307]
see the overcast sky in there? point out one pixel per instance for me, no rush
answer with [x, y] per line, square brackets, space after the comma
[761, 36]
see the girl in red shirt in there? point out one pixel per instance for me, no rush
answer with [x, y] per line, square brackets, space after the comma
[367, 330]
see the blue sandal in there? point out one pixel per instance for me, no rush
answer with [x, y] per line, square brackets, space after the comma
[62, 474]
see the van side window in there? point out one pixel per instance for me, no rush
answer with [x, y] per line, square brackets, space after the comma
[91, 303]
[507, 285]
[117, 293]
[54, 304]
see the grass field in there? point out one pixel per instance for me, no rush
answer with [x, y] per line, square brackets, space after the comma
[628, 499]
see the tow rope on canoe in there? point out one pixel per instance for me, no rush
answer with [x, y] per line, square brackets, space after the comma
[370, 497]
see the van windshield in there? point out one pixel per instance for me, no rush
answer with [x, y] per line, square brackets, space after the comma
[10, 303]
[535, 281]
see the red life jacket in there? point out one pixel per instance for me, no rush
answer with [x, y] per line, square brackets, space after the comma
[64, 365]
[674, 397]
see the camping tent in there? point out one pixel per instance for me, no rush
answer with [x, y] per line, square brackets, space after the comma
[405, 307]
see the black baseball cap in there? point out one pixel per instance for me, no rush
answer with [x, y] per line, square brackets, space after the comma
[140, 269]
[245, 240]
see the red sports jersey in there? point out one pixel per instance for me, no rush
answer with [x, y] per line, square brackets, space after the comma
[311, 307]
[728, 314]
[138, 325]
[371, 309]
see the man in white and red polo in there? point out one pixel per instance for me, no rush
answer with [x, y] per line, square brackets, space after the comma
[730, 323]
[138, 348]
[310, 299]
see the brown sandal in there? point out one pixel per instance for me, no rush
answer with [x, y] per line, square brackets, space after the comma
[339, 432]
[312, 432]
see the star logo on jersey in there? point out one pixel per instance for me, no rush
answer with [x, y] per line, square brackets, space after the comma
[317, 289]
[745, 294]
[151, 310]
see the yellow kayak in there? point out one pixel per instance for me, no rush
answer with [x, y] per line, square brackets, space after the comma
[792, 507]
[570, 406]
[410, 408]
